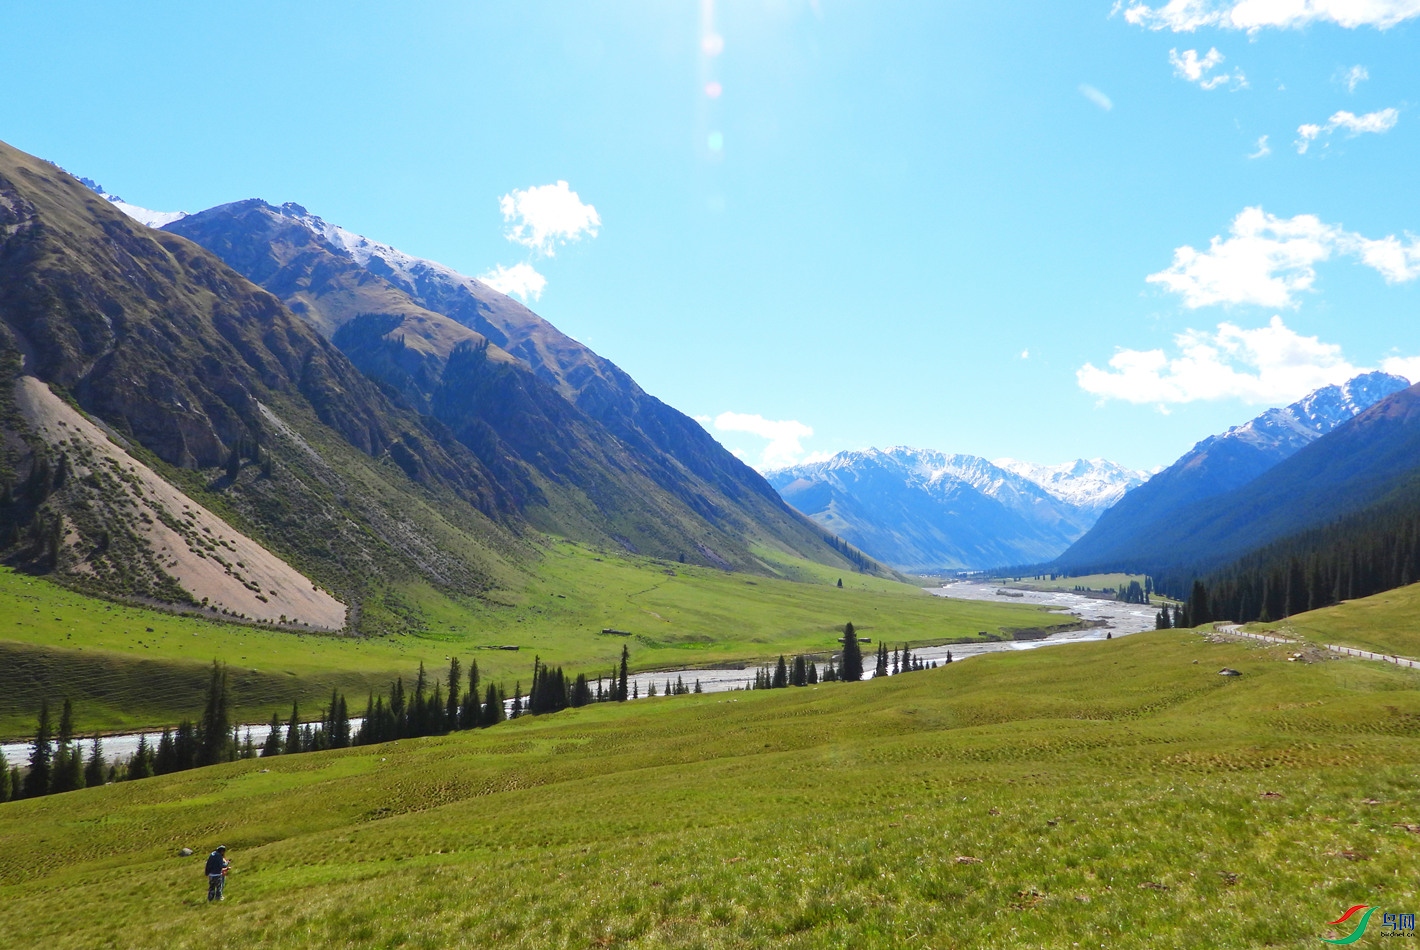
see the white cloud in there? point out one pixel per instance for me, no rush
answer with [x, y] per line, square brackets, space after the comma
[1268, 261]
[1407, 366]
[1185, 16]
[1195, 69]
[1263, 149]
[1097, 97]
[1375, 123]
[784, 437]
[1271, 365]
[544, 216]
[521, 279]
[1354, 76]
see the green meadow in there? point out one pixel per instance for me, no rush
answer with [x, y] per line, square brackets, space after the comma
[1384, 623]
[126, 666]
[1117, 794]
[1089, 582]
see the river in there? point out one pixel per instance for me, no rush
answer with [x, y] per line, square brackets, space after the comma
[1121, 619]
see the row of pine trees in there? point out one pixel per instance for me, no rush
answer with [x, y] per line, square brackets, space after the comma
[461, 701]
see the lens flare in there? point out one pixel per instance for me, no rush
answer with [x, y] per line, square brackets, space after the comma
[713, 90]
[713, 44]
[716, 141]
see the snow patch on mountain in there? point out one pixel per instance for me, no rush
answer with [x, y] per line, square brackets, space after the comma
[403, 270]
[1093, 484]
[153, 219]
[1312, 416]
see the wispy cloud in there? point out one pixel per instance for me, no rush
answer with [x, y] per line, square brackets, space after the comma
[1185, 16]
[1375, 123]
[1263, 149]
[545, 216]
[1354, 76]
[521, 279]
[1267, 260]
[1189, 66]
[783, 437]
[1271, 365]
[1095, 96]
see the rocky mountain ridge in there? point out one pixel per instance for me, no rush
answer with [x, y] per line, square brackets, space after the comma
[1219, 465]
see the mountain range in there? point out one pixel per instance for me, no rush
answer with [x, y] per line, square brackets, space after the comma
[925, 511]
[368, 419]
[1236, 478]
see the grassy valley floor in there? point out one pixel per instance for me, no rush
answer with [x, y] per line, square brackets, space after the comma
[1117, 794]
[128, 667]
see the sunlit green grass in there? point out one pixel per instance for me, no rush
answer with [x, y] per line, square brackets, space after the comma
[1114, 793]
[677, 616]
[1385, 623]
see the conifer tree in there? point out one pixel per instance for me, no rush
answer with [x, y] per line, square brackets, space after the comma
[880, 668]
[95, 770]
[517, 699]
[141, 765]
[697, 688]
[165, 760]
[185, 745]
[452, 706]
[468, 706]
[41, 757]
[492, 707]
[68, 770]
[581, 691]
[851, 669]
[5, 790]
[621, 680]
[215, 732]
[896, 662]
[813, 674]
[272, 745]
[341, 737]
[292, 744]
[781, 674]
[799, 676]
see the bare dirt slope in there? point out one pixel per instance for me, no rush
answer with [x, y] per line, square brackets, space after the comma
[212, 561]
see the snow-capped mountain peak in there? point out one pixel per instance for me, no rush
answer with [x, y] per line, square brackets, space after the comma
[1094, 484]
[1315, 414]
[153, 219]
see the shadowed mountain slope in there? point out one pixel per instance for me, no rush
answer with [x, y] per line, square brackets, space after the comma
[584, 450]
[218, 387]
[1133, 532]
[1350, 469]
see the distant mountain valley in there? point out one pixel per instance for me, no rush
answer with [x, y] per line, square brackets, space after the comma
[925, 511]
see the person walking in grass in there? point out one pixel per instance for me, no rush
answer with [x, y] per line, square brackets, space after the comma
[217, 865]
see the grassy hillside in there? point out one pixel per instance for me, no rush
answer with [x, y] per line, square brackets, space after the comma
[108, 657]
[1385, 623]
[1120, 793]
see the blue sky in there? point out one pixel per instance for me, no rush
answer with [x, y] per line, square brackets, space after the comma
[1037, 230]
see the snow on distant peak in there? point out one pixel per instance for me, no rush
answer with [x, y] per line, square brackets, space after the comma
[390, 262]
[1316, 413]
[1086, 483]
[153, 219]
